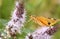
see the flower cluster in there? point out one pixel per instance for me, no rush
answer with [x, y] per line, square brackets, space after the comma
[17, 20]
[42, 33]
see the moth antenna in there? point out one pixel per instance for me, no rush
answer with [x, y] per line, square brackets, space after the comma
[29, 19]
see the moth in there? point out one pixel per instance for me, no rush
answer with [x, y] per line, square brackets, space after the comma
[43, 21]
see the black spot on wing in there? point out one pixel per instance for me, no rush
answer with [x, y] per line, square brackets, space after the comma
[54, 19]
[49, 23]
[49, 18]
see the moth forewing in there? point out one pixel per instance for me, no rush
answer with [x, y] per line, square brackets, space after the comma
[38, 21]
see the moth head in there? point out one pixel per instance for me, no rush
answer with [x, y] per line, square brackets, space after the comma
[53, 21]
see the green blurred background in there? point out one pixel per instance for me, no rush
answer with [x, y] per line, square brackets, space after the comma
[47, 8]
